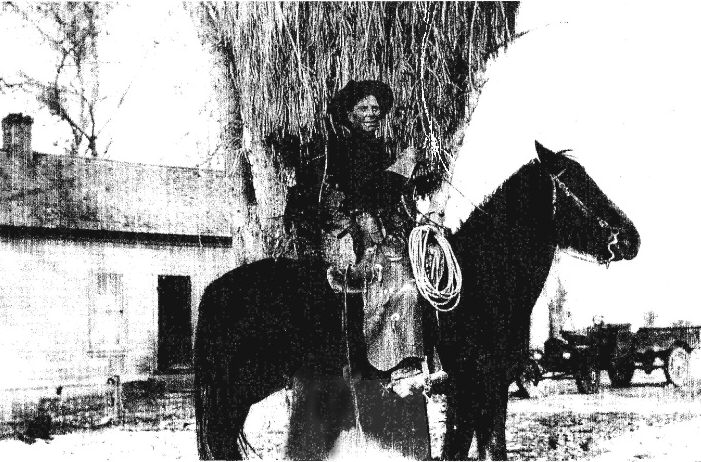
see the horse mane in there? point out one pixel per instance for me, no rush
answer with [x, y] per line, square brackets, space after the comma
[568, 154]
[498, 139]
[480, 171]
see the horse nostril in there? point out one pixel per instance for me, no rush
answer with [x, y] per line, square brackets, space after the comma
[629, 247]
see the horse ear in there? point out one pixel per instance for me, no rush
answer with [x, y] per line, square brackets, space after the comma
[544, 154]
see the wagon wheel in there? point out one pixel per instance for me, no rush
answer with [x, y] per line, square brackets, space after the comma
[621, 373]
[676, 367]
[588, 377]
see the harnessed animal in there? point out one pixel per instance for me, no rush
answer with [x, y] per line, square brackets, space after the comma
[264, 322]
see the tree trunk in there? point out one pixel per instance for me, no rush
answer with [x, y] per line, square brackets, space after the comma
[270, 183]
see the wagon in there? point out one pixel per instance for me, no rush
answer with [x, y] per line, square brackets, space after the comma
[617, 350]
[666, 348]
[574, 355]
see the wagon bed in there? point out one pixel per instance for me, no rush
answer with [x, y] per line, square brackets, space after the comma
[665, 338]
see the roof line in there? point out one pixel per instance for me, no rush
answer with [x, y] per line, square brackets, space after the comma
[123, 237]
[114, 161]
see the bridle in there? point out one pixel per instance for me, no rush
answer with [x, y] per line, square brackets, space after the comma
[613, 231]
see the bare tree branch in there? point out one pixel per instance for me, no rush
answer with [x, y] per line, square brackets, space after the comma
[4, 84]
[28, 19]
[71, 30]
[119, 105]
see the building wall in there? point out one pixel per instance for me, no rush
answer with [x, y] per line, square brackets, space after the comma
[52, 329]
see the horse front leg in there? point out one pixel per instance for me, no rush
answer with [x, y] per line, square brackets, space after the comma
[459, 424]
[491, 432]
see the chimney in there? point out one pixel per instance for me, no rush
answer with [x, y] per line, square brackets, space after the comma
[17, 136]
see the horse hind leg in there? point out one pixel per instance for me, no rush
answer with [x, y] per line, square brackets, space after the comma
[321, 408]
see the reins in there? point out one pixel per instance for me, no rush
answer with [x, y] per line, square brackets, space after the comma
[433, 265]
[613, 231]
[348, 369]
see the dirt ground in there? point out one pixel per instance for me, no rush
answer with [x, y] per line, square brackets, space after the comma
[648, 420]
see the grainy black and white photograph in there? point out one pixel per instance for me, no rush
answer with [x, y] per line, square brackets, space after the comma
[362, 230]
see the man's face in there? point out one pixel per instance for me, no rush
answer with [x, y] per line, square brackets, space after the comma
[365, 115]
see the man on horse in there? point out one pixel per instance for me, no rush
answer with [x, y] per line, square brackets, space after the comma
[358, 187]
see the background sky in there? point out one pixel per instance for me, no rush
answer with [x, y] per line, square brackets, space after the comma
[156, 101]
[616, 82]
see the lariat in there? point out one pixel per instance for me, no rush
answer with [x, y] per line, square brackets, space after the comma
[436, 269]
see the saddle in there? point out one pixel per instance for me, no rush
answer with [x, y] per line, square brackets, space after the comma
[392, 314]
[398, 339]
[380, 219]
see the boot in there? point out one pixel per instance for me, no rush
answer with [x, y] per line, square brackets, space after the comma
[409, 378]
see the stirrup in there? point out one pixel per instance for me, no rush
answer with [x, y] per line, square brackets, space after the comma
[408, 381]
[354, 279]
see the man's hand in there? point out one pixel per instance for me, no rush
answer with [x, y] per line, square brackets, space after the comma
[405, 163]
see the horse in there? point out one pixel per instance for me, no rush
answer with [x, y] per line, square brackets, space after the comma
[505, 250]
[261, 323]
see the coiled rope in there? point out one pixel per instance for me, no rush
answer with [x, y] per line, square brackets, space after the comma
[430, 273]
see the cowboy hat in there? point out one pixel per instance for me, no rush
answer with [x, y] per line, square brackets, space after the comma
[354, 91]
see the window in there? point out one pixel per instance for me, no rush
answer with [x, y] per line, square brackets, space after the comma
[107, 326]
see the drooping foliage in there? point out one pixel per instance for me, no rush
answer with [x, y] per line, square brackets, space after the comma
[287, 59]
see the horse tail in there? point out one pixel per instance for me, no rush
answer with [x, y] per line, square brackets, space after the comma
[219, 412]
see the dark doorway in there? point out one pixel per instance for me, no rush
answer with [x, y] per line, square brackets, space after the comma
[174, 323]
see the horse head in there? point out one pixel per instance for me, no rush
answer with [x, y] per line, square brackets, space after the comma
[586, 220]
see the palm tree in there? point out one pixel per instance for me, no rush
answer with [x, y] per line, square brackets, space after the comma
[279, 63]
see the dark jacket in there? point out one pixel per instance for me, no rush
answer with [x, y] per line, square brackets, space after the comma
[356, 160]
[353, 171]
